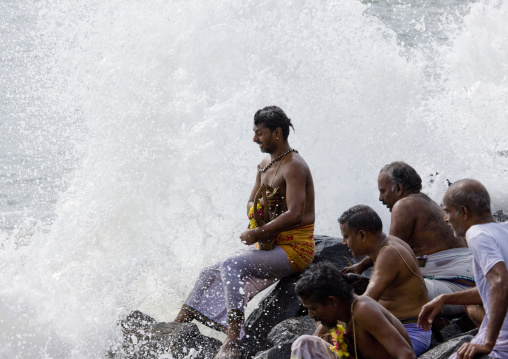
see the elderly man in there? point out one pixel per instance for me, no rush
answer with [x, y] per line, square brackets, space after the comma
[371, 331]
[396, 282]
[285, 236]
[467, 210]
[445, 261]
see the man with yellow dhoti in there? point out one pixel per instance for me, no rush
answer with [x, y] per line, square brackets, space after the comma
[280, 237]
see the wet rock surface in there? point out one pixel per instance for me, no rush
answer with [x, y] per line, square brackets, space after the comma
[450, 346]
[144, 337]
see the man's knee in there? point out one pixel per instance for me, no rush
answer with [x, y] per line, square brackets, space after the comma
[476, 313]
[304, 339]
[230, 265]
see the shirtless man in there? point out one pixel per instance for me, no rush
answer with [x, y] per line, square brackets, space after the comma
[396, 282]
[445, 261]
[371, 331]
[222, 291]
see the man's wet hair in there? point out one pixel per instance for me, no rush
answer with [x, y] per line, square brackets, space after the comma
[362, 217]
[470, 194]
[274, 117]
[321, 281]
[401, 172]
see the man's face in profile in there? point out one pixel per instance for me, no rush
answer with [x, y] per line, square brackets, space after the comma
[452, 217]
[352, 240]
[386, 193]
[264, 137]
[321, 312]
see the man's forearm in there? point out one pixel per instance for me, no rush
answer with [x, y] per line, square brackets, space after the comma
[366, 263]
[284, 222]
[465, 297]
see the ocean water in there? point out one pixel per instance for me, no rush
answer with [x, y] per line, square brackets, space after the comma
[126, 154]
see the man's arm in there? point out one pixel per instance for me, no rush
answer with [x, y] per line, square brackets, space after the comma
[250, 203]
[372, 320]
[432, 308]
[295, 176]
[385, 271]
[498, 289]
[359, 267]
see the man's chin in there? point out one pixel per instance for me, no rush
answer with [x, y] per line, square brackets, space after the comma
[328, 325]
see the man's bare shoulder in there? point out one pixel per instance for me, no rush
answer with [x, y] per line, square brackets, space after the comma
[296, 164]
[414, 205]
[366, 309]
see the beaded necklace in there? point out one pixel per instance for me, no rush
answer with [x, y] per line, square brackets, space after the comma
[263, 170]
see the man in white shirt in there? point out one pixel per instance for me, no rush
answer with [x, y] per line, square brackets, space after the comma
[467, 210]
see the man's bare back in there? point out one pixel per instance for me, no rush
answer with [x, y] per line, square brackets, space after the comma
[371, 331]
[396, 281]
[419, 221]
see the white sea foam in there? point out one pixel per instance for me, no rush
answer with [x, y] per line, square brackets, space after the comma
[160, 97]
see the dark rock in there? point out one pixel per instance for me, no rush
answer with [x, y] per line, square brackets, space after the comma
[145, 338]
[450, 331]
[444, 350]
[290, 329]
[284, 334]
[282, 302]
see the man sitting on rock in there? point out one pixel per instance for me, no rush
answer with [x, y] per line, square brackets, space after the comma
[396, 281]
[222, 291]
[445, 261]
[467, 209]
[370, 330]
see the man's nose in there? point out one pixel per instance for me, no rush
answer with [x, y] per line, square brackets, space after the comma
[381, 197]
[446, 218]
[344, 243]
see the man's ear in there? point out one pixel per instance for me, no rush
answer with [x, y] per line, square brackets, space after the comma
[332, 300]
[464, 212]
[362, 234]
[399, 189]
[278, 132]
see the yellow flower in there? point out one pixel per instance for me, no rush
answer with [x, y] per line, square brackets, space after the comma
[340, 346]
[252, 219]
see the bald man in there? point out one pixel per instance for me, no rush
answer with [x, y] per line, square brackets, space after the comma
[467, 210]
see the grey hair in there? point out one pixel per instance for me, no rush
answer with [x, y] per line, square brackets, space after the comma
[470, 194]
[401, 172]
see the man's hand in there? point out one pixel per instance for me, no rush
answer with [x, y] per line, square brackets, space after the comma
[355, 269]
[274, 200]
[429, 312]
[468, 350]
[249, 236]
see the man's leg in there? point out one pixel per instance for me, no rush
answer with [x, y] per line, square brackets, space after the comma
[476, 313]
[244, 275]
[184, 317]
[420, 339]
[231, 347]
[437, 287]
[206, 302]
[311, 347]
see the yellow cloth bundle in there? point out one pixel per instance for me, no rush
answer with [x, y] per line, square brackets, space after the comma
[298, 245]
